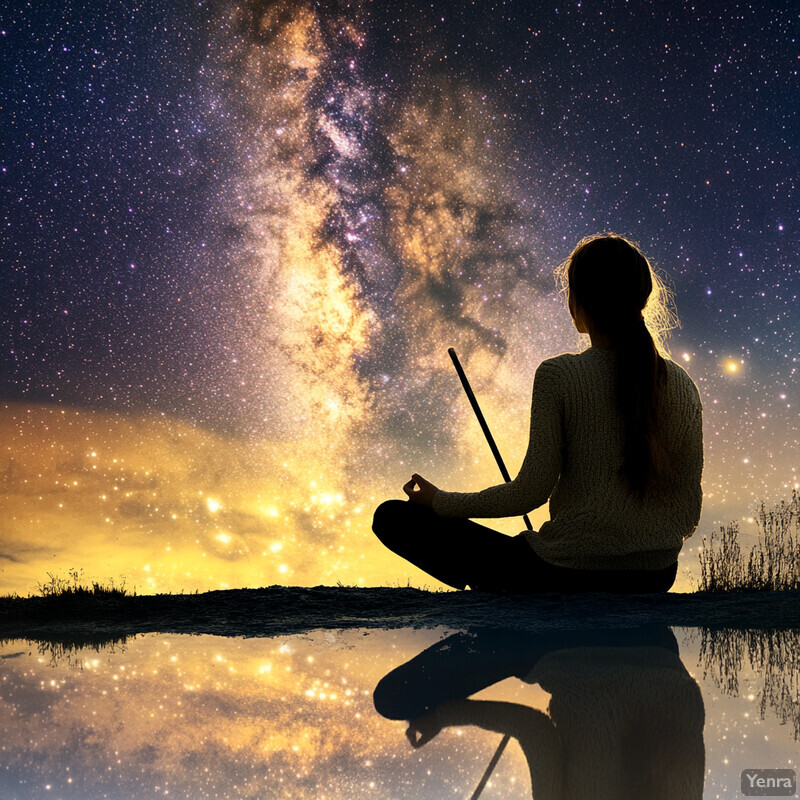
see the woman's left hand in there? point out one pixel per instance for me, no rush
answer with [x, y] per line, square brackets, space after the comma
[424, 495]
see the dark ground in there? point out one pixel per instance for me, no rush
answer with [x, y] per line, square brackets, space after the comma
[279, 610]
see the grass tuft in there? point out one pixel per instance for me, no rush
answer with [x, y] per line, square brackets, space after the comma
[73, 587]
[773, 564]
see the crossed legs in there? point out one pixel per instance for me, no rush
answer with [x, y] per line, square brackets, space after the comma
[461, 553]
[455, 551]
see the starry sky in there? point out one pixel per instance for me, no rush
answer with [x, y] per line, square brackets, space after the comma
[238, 238]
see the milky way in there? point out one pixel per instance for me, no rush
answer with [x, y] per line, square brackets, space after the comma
[238, 240]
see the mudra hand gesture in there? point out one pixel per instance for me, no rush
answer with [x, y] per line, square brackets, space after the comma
[422, 729]
[424, 495]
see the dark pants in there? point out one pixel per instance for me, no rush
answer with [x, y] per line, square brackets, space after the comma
[461, 553]
[463, 664]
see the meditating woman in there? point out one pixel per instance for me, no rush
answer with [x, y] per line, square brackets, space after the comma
[616, 445]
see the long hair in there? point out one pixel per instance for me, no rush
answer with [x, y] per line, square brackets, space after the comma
[612, 281]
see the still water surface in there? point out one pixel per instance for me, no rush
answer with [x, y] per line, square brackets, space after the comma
[672, 713]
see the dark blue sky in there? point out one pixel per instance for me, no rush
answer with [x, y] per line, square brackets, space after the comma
[674, 124]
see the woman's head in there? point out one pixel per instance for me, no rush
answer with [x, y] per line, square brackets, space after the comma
[610, 287]
[613, 293]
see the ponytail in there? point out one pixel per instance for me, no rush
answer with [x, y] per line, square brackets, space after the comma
[641, 374]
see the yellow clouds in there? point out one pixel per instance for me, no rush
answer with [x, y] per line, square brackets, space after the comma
[175, 507]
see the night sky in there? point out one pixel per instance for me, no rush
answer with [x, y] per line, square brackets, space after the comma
[237, 240]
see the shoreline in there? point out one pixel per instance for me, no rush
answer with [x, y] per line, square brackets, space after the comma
[285, 610]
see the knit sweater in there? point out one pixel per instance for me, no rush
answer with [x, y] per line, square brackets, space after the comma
[573, 459]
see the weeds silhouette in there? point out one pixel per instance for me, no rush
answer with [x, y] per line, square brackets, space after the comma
[773, 564]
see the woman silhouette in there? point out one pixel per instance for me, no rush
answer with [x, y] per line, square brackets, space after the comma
[616, 445]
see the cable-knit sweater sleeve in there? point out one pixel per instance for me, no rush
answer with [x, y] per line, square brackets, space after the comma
[539, 472]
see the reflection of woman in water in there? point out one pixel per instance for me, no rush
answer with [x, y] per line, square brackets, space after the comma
[615, 445]
[625, 720]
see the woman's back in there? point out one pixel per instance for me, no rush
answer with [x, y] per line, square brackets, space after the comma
[574, 458]
[597, 520]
